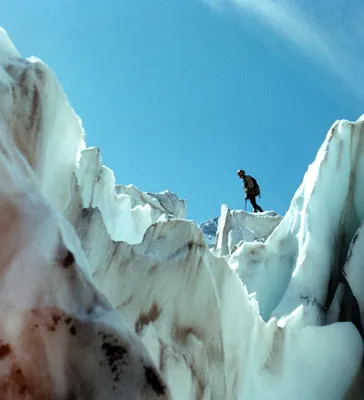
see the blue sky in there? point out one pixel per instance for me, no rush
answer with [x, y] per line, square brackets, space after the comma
[179, 94]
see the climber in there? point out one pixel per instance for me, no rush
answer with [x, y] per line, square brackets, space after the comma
[251, 189]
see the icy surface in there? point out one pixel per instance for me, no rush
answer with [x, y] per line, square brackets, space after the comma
[126, 211]
[108, 293]
[236, 227]
[309, 247]
[36, 112]
[59, 337]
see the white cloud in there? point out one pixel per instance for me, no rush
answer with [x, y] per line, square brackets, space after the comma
[330, 33]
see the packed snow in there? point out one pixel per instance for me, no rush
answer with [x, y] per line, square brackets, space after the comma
[109, 292]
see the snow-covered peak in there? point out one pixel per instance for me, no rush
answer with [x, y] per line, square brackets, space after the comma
[209, 230]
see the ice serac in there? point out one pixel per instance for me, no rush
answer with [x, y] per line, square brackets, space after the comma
[213, 336]
[37, 114]
[237, 226]
[313, 257]
[115, 296]
[211, 342]
[59, 337]
[305, 255]
[126, 211]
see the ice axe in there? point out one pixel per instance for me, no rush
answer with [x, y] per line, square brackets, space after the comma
[245, 204]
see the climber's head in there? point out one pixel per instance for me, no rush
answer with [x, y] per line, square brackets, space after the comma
[241, 173]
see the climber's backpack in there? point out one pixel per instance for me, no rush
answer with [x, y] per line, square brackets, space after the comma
[256, 187]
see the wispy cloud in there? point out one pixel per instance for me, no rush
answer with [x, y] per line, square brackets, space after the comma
[331, 33]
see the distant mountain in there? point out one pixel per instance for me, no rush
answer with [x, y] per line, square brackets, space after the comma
[209, 229]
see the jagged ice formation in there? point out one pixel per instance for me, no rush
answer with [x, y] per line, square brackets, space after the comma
[226, 233]
[108, 293]
[237, 226]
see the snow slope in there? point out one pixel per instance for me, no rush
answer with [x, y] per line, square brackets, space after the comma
[113, 304]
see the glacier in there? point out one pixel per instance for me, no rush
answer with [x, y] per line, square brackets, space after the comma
[108, 292]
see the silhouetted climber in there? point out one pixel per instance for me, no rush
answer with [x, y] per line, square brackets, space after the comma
[251, 189]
